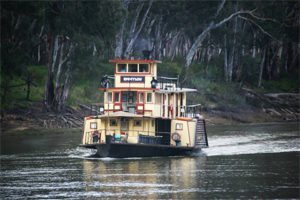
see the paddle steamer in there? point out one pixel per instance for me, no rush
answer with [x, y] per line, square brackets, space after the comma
[143, 115]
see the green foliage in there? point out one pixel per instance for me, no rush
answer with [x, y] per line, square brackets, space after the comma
[171, 68]
[285, 84]
[92, 27]
[212, 93]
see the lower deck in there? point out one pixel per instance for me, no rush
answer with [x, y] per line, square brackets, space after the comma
[125, 128]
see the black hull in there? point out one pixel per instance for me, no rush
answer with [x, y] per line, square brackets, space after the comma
[121, 150]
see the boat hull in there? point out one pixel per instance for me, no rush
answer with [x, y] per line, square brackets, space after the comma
[124, 150]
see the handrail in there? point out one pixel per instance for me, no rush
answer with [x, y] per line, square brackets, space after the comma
[167, 78]
[88, 137]
[178, 111]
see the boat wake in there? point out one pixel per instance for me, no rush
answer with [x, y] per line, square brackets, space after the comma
[253, 144]
[80, 152]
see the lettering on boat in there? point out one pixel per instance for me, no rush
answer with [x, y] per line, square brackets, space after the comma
[139, 79]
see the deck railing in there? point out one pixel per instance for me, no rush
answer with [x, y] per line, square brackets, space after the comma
[148, 137]
[163, 110]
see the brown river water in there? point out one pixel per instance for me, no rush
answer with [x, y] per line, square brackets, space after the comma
[256, 161]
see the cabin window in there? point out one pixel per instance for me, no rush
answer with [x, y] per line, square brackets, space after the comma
[122, 68]
[117, 97]
[149, 97]
[132, 68]
[124, 97]
[113, 122]
[179, 126]
[141, 97]
[137, 123]
[109, 97]
[144, 68]
[93, 125]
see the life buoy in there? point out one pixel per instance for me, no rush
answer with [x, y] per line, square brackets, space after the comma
[176, 136]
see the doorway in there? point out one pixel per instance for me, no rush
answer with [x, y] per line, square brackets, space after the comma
[163, 128]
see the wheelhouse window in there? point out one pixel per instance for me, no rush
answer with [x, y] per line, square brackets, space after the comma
[117, 97]
[113, 122]
[93, 125]
[122, 68]
[149, 97]
[141, 98]
[137, 122]
[144, 68]
[132, 68]
[109, 97]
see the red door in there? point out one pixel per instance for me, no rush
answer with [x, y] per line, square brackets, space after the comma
[117, 101]
[140, 102]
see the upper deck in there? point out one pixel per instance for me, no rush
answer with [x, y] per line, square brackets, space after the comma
[136, 88]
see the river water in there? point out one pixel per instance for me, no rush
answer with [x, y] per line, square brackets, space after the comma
[257, 161]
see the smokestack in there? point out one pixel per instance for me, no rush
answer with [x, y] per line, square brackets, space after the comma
[146, 54]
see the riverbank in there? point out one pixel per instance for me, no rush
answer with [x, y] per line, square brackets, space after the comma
[32, 119]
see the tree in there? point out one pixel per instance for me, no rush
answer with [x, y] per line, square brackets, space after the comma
[62, 39]
[134, 31]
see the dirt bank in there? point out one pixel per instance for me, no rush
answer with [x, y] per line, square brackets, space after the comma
[259, 108]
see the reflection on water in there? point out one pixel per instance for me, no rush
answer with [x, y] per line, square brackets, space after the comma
[144, 178]
[253, 161]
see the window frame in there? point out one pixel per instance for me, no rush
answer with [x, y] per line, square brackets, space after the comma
[113, 124]
[93, 123]
[139, 67]
[141, 100]
[130, 65]
[135, 122]
[118, 70]
[149, 94]
[179, 126]
[117, 100]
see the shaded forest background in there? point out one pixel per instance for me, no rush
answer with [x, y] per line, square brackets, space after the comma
[55, 52]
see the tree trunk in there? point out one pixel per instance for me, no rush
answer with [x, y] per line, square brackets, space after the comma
[120, 40]
[225, 59]
[233, 53]
[39, 46]
[120, 35]
[212, 25]
[28, 83]
[158, 39]
[60, 93]
[129, 48]
[65, 90]
[261, 68]
[49, 86]
[197, 43]
[254, 46]
[173, 44]
[277, 62]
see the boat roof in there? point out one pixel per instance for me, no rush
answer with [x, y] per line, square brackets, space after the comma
[177, 90]
[122, 114]
[134, 61]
